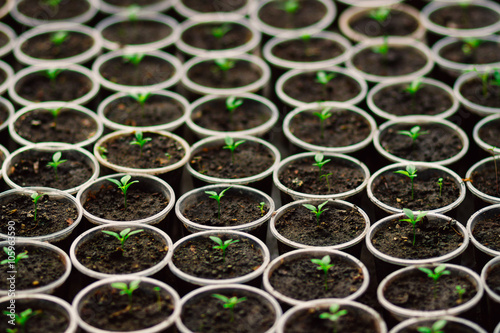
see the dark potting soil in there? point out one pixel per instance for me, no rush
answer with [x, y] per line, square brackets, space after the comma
[302, 176]
[354, 321]
[397, 62]
[140, 31]
[151, 70]
[39, 269]
[250, 159]
[107, 309]
[46, 317]
[487, 179]
[201, 36]
[70, 126]
[4, 114]
[486, 232]
[467, 17]
[439, 143]
[343, 128]
[336, 226]
[310, 50]
[219, 6]
[34, 171]
[242, 258]
[486, 53]
[301, 280]
[214, 115]
[493, 279]
[308, 13]
[428, 100]
[4, 39]
[449, 327]
[305, 88]
[119, 151]
[68, 86]
[398, 23]
[472, 90]
[236, 209]
[51, 216]
[490, 133]
[42, 11]
[207, 74]
[41, 46]
[395, 190]
[206, 314]
[108, 203]
[433, 239]
[103, 253]
[157, 110]
[419, 292]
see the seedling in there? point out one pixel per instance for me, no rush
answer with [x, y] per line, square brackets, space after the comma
[232, 103]
[52, 74]
[52, 3]
[324, 265]
[460, 292]
[123, 235]
[437, 327]
[56, 161]
[435, 275]
[58, 37]
[261, 207]
[413, 133]
[308, 51]
[410, 172]
[383, 48]
[411, 219]
[323, 115]
[133, 58]
[127, 290]
[36, 197]
[231, 145]
[470, 45]
[132, 12]
[17, 258]
[291, 6]
[495, 80]
[492, 149]
[484, 80]
[222, 245]
[102, 151]
[217, 197]
[229, 303]
[440, 184]
[55, 113]
[141, 98]
[140, 141]
[123, 185]
[323, 78]
[333, 315]
[318, 211]
[22, 318]
[320, 162]
[224, 64]
[414, 86]
[326, 175]
[380, 14]
[221, 31]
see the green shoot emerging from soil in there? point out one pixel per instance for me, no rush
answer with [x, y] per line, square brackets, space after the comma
[21, 319]
[56, 161]
[55, 113]
[132, 12]
[123, 185]
[318, 211]
[229, 303]
[261, 207]
[460, 292]
[413, 133]
[412, 219]
[323, 78]
[22, 255]
[323, 115]
[435, 275]
[326, 175]
[410, 172]
[102, 151]
[52, 3]
[290, 6]
[320, 162]
[382, 49]
[323, 265]
[52, 74]
[217, 197]
[437, 327]
[440, 184]
[231, 145]
[127, 290]
[333, 315]
[222, 245]
[140, 140]
[221, 31]
[123, 235]
[36, 197]
[380, 14]
[133, 58]
[495, 80]
[232, 103]
[414, 86]
[58, 37]
[224, 64]
[470, 45]
[141, 98]
[483, 76]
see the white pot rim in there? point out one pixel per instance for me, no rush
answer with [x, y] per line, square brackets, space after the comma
[158, 6]
[478, 109]
[9, 80]
[190, 13]
[10, 110]
[458, 320]
[471, 223]
[10, 33]
[481, 195]
[484, 274]
[480, 142]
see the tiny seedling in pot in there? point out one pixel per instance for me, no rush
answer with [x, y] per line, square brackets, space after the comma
[323, 265]
[460, 292]
[261, 207]
[333, 315]
[127, 290]
[21, 319]
[440, 184]
[290, 6]
[123, 235]
[323, 79]
[52, 74]
[55, 113]
[141, 98]
[217, 197]
[56, 161]
[231, 145]
[317, 210]
[326, 175]
[492, 149]
[412, 219]
[483, 76]
[36, 197]
[224, 64]
[413, 133]
[495, 80]
[435, 275]
[410, 172]
[413, 88]
[17, 258]
[58, 37]
[222, 245]
[437, 327]
[470, 45]
[323, 115]
[102, 151]
[123, 185]
[140, 140]
[132, 12]
[52, 3]
[229, 303]
[319, 158]
[133, 58]
[380, 14]
[221, 31]
[382, 49]
[232, 103]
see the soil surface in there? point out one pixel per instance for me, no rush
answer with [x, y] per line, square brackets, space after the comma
[336, 226]
[398, 23]
[490, 133]
[493, 279]
[433, 239]
[107, 309]
[214, 115]
[300, 279]
[206, 314]
[485, 179]
[201, 36]
[242, 258]
[42, 11]
[397, 62]
[486, 53]
[305, 88]
[120, 151]
[473, 91]
[308, 13]
[70, 126]
[310, 50]
[302, 176]
[108, 203]
[68, 86]
[41, 46]
[486, 232]
[40, 268]
[51, 216]
[103, 253]
[468, 17]
[208, 74]
[214, 6]
[428, 100]
[136, 32]
[157, 110]
[344, 128]
[438, 144]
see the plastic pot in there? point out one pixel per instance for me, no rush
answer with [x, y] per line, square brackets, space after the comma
[478, 109]
[153, 6]
[493, 298]
[7, 31]
[10, 110]
[482, 164]
[491, 120]
[230, 7]
[452, 323]
[8, 73]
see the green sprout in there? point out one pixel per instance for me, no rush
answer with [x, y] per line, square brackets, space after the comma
[437, 327]
[56, 161]
[413, 133]
[140, 98]
[52, 74]
[380, 14]
[231, 104]
[414, 86]
[140, 141]
[470, 45]
[231, 145]
[22, 318]
[460, 292]
[261, 207]
[326, 175]
[133, 11]
[123, 235]
[440, 184]
[410, 172]
[58, 37]
[229, 303]
[383, 48]
[221, 31]
[127, 290]
[222, 245]
[158, 297]
[492, 149]
[17, 258]
[435, 275]
[291, 6]
[52, 3]
[333, 315]
[324, 265]
[412, 219]
[123, 185]
[133, 58]
[484, 76]
[318, 211]
[55, 113]
[36, 197]
[320, 162]
[102, 151]
[323, 78]
[323, 115]
[495, 80]
[217, 197]
[224, 64]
